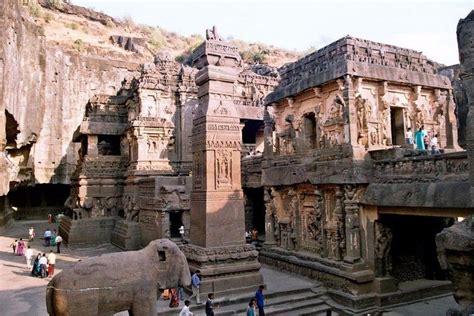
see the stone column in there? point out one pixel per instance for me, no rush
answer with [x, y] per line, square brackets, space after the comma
[217, 233]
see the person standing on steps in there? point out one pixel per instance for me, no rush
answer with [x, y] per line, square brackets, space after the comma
[209, 305]
[196, 284]
[260, 298]
[185, 311]
[251, 309]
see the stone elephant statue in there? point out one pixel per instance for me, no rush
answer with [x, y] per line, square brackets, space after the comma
[123, 281]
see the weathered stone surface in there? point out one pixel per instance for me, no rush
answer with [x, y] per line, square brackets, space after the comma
[116, 282]
[456, 244]
[456, 255]
[45, 89]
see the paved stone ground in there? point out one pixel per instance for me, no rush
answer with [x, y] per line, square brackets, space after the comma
[22, 294]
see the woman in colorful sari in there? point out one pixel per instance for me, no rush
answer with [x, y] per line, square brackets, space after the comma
[36, 271]
[53, 238]
[174, 302]
[420, 138]
[20, 247]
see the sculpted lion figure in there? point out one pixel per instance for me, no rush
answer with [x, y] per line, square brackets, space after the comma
[124, 281]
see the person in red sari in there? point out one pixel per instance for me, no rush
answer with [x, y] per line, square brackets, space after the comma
[174, 301]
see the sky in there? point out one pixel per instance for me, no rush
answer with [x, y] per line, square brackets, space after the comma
[427, 26]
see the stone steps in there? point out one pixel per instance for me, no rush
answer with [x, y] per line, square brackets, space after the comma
[277, 303]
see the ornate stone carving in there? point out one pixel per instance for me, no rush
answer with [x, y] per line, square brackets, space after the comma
[383, 239]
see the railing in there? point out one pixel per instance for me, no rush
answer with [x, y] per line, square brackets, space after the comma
[452, 167]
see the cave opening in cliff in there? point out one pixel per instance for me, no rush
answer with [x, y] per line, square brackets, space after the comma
[413, 247]
[36, 202]
[11, 129]
[255, 211]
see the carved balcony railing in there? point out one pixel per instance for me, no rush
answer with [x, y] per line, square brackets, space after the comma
[451, 167]
[103, 166]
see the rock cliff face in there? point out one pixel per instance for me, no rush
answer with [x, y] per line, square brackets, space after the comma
[44, 89]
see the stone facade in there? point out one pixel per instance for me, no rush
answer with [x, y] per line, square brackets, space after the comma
[339, 176]
[136, 155]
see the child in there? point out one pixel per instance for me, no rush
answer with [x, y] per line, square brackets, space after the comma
[31, 233]
[13, 246]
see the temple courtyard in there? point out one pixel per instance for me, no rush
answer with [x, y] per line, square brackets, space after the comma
[23, 294]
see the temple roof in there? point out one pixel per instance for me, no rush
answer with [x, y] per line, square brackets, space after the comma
[357, 57]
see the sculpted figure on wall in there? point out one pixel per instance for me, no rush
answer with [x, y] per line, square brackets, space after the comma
[130, 208]
[383, 260]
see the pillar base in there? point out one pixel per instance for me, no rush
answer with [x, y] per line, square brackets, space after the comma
[225, 270]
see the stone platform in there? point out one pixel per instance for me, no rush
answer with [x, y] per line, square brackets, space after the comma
[126, 235]
[225, 270]
[87, 231]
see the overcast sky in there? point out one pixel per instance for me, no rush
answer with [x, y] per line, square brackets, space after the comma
[427, 26]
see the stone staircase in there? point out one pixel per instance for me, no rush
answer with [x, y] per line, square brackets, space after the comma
[304, 301]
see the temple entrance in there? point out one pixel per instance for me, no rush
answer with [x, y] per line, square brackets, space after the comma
[413, 248]
[397, 124]
[176, 220]
[38, 201]
[254, 211]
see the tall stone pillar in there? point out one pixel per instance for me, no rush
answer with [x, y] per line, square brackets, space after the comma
[217, 233]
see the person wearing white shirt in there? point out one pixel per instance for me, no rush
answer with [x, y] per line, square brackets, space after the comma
[51, 263]
[185, 311]
[28, 256]
[434, 145]
[43, 262]
[181, 232]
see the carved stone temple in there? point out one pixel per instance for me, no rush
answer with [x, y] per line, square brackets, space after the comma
[313, 155]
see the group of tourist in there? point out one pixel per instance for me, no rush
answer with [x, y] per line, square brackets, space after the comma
[423, 140]
[252, 235]
[51, 238]
[43, 265]
[254, 308]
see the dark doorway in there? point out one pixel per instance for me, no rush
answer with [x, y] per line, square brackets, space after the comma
[176, 220]
[109, 145]
[413, 250]
[398, 127]
[254, 210]
[309, 131]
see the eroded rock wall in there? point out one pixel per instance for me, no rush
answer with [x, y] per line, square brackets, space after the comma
[45, 88]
